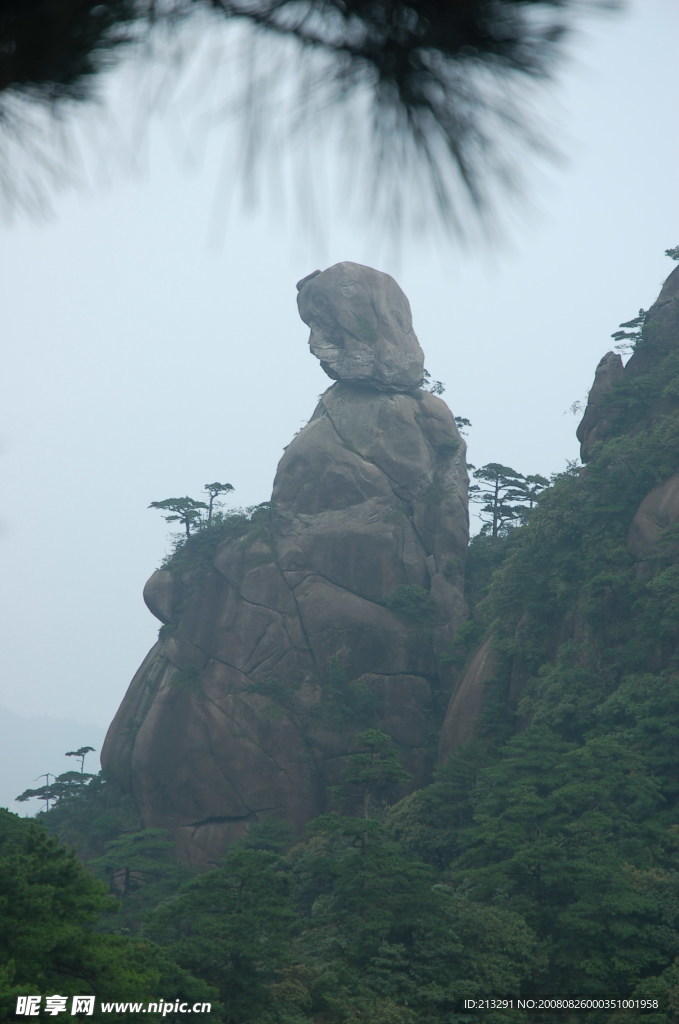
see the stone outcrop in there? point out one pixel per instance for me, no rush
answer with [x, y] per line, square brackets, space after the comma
[324, 614]
[649, 373]
[466, 705]
[659, 341]
[595, 424]
[656, 514]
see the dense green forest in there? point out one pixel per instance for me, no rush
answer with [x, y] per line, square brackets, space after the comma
[540, 862]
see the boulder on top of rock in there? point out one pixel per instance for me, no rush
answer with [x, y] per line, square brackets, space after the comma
[361, 327]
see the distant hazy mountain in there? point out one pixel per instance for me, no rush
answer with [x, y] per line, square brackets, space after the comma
[29, 747]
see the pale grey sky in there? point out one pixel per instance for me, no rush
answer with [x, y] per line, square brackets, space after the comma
[153, 343]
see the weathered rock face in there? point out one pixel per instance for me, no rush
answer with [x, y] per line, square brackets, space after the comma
[326, 614]
[361, 327]
[466, 705]
[658, 512]
[595, 425]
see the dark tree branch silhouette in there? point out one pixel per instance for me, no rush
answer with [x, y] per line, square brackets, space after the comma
[441, 77]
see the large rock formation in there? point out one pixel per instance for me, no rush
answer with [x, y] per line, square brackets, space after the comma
[322, 616]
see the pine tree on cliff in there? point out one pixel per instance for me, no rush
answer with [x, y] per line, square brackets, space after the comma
[504, 495]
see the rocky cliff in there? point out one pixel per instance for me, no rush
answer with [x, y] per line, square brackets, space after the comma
[602, 543]
[321, 617]
[649, 374]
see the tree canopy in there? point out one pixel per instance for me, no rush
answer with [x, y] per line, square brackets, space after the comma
[50, 941]
[190, 512]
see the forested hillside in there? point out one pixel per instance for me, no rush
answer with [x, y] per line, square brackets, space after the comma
[540, 862]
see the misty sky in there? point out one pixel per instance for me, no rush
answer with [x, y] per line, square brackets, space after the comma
[153, 341]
